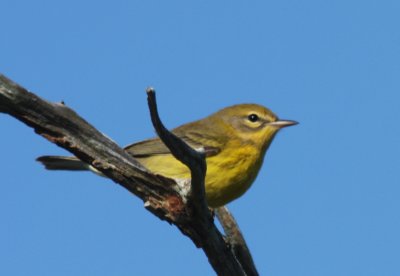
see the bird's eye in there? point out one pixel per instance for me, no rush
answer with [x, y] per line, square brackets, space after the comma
[253, 118]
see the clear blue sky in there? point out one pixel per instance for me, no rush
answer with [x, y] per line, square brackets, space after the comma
[327, 199]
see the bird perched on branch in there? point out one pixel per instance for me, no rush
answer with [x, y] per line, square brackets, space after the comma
[233, 139]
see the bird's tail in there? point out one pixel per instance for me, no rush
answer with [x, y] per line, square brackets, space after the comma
[63, 163]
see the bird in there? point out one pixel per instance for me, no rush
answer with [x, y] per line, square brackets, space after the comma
[234, 140]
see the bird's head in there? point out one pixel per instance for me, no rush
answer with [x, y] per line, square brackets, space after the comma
[252, 123]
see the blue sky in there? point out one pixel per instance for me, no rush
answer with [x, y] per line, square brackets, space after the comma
[326, 200]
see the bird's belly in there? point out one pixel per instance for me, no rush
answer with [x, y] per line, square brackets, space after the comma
[228, 176]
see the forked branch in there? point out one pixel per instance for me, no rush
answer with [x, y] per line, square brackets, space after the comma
[62, 126]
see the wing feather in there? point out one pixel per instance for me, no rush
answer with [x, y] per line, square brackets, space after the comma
[156, 147]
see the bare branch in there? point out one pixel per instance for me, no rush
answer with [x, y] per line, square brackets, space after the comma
[62, 126]
[193, 159]
[236, 240]
[197, 165]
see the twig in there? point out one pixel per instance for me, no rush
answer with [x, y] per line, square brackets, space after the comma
[236, 240]
[193, 159]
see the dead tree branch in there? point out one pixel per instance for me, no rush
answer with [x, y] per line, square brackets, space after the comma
[62, 126]
[236, 240]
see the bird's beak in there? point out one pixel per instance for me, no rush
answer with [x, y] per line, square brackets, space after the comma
[283, 123]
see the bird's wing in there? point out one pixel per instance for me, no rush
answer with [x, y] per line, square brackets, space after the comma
[156, 146]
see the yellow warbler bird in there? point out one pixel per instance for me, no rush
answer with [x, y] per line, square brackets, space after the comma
[234, 140]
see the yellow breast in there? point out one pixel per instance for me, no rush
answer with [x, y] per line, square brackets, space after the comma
[229, 173]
